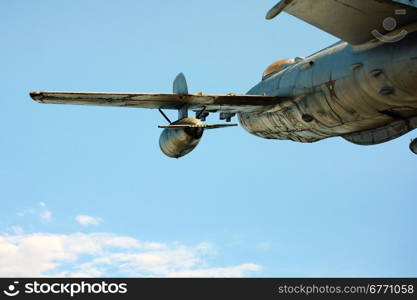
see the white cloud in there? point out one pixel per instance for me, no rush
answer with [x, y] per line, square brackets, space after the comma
[41, 211]
[105, 254]
[16, 229]
[85, 220]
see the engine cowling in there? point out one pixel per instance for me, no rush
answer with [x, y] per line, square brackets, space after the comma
[177, 143]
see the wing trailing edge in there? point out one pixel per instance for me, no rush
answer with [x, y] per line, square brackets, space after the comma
[212, 103]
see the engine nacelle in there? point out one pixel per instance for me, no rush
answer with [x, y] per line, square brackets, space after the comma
[176, 143]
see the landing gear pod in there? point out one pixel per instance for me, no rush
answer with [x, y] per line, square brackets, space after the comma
[413, 146]
[182, 138]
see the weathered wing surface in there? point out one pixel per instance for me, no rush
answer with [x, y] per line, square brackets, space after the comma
[212, 103]
[354, 21]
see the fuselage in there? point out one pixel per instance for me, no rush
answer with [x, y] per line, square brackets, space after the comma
[368, 95]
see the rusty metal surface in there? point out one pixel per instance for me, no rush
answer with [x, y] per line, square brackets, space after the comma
[218, 103]
[332, 98]
[350, 20]
[176, 143]
[383, 134]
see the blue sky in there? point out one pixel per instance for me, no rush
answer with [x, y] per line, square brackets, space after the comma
[85, 191]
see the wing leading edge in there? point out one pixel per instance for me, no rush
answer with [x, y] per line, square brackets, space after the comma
[212, 103]
[354, 21]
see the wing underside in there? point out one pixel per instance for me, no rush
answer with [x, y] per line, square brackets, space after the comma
[354, 21]
[212, 103]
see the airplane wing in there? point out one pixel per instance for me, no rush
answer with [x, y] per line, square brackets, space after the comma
[354, 21]
[230, 103]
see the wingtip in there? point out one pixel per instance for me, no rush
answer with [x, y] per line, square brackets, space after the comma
[36, 95]
[277, 9]
[271, 14]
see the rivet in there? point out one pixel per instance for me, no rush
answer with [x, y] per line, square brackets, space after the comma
[307, 66]
[356, 67]
[307, 118]
[386, 91]
[376, 72]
